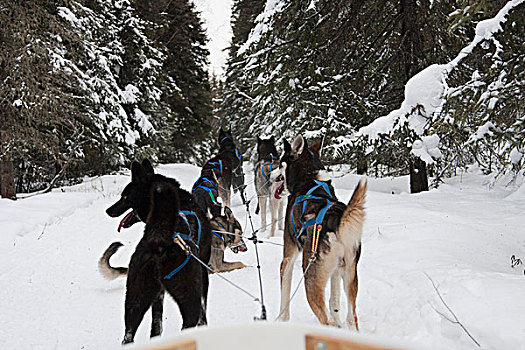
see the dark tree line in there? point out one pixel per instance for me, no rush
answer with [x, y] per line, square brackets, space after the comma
[88, 85]
[327, 68]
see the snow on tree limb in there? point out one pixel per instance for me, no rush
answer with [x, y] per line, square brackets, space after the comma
[425, 94]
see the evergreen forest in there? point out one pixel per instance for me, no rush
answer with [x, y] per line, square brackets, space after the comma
[423, 88]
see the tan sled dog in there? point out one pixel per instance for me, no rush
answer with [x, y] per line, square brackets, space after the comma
[267, 183]
[227, 233]
[327, 230]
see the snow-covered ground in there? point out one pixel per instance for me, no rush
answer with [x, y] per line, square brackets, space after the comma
[460, 237]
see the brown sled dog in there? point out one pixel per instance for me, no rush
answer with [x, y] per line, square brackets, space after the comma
[266, 185]
[227, 233]
[314, 214]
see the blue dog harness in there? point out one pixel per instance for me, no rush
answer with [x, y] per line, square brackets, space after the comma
[270, 167]
[207, 185]
[238, 154]
[186, 237]
[216, 166]
[318, 219]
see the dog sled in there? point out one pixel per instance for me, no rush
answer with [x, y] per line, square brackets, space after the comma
[270, 336]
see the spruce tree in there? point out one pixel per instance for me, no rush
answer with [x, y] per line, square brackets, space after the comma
[186, 129]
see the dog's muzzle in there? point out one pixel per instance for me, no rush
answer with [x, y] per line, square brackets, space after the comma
[278, 192]
[241, 247]
[129, 220]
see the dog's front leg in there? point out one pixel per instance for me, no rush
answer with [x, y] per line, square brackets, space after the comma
[262, 213]
[280, 216]
[273, 215]
[217, 253]
[217, 262]
[291, 251]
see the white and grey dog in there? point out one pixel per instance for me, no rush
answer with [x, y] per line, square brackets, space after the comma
[269, 184]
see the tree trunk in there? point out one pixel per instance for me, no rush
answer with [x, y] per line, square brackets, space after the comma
[362, 165]
[7, 172]
[418, 176]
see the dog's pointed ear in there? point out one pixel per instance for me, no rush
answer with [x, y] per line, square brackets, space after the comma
[299, 145]
[259, 140]
[272, 139]
[148, 167]
[138, 173]
[286, 146]
[317, 147]
[228, 212]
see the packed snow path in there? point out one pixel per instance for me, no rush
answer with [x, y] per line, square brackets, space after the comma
[460, 236]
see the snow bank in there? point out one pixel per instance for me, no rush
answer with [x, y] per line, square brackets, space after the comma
[460, 235]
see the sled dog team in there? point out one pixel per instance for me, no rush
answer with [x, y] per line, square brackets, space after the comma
[183, 228]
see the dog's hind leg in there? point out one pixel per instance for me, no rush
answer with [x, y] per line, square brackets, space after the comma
[350, 281]
[290, 253]
[141, 289]
[315, 279]
[335, 294]
[204, 296]
[190, 307]
[157, 309]
[187, 289]
[315, 282]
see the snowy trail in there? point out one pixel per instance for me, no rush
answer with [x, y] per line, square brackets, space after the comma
[461, 235]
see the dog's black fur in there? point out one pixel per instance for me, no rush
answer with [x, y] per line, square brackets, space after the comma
[231, 174]
[156, 200]
[266, 149]
[227, 145]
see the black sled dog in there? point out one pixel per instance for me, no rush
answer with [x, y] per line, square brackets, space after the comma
[325, 229]
[227, 233]
[158, 264]
[218, 175]
[266, 184]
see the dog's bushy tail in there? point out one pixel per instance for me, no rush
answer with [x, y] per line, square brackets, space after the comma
[351, 224]
[106, 270]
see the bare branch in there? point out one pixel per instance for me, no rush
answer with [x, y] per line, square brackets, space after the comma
[456, 320]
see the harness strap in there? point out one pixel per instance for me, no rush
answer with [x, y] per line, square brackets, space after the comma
[318, 219]
[186, 237]
[183, 214]
[270, 167]
[200, 183]
[219, 163]
[219, 234]
[180, 267]
[225, 137]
